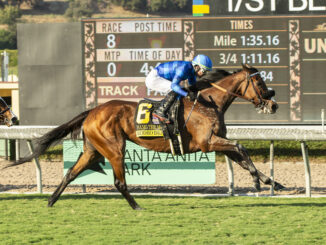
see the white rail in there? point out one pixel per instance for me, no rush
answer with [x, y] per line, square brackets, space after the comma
[271, 133]
[302, 133]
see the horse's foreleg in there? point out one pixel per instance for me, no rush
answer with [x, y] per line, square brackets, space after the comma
[242, 152]
[237, 153]
[83, 162]
[240, 155]
[268, 181]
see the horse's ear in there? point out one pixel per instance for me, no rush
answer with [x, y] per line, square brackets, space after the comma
[245, 67]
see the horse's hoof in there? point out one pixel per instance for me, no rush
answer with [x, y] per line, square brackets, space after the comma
[278, 186]
[138, 208]
[50, 203]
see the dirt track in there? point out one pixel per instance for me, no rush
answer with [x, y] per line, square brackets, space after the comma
[292, 175]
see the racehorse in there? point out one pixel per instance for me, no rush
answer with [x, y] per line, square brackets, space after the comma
[107, 127]
[7, 117]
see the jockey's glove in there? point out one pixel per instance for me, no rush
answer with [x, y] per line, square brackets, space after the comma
[192, 88]
[192, 95]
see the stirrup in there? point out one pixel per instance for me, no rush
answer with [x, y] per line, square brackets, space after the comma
[161, 118]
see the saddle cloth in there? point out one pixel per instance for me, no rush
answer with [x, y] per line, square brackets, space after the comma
[147, 125]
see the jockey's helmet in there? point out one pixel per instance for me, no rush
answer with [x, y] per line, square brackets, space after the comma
[203, 61]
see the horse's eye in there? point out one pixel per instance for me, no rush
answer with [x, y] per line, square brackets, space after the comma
[260, 81]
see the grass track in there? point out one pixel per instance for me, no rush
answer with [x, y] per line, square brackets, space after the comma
[99, 219]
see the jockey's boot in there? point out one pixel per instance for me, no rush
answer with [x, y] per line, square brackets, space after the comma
[164, 107]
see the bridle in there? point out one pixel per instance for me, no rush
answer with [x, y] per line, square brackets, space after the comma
[261, 101]
[260, 105]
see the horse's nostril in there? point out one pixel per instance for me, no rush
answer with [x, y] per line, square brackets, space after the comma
[14, 119]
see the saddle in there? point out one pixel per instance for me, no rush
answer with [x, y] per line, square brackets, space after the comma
[148, 125]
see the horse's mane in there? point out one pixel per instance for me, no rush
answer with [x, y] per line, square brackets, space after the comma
[253, 70]
[214, 76]
[211, 76]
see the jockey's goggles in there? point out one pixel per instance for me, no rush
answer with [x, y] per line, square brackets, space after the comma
[203, 69]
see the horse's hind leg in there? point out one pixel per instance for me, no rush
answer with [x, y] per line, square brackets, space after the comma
[113, 150]
[120, 184]
[89, 156]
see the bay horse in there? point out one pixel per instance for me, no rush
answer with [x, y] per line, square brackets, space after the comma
[107, 127]
[7, 117]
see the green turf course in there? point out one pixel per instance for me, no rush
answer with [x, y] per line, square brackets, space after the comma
[102, 219]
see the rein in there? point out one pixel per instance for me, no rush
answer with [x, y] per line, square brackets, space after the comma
[192, 108]
[249, 80]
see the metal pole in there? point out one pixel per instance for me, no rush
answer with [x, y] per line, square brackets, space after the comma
[304, 150]
[231, 176]
[17, 146]
[38, 167]
[271, 159]
[84, 188]
[5, 66]
[322, 119]
[6, 149]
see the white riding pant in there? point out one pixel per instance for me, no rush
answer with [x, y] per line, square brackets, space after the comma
[156, 83]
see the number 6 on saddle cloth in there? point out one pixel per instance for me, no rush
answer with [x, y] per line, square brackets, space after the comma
[148, 125]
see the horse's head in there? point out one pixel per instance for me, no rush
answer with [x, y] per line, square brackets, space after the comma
[6, 115]
[255, 90]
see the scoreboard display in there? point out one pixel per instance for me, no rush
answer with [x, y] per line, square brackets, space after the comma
[289, 52]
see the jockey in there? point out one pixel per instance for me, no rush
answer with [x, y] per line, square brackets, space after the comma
[166, 78]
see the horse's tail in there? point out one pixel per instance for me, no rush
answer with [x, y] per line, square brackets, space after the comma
[52, 137]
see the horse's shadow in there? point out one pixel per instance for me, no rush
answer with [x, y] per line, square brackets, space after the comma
[115, 196]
